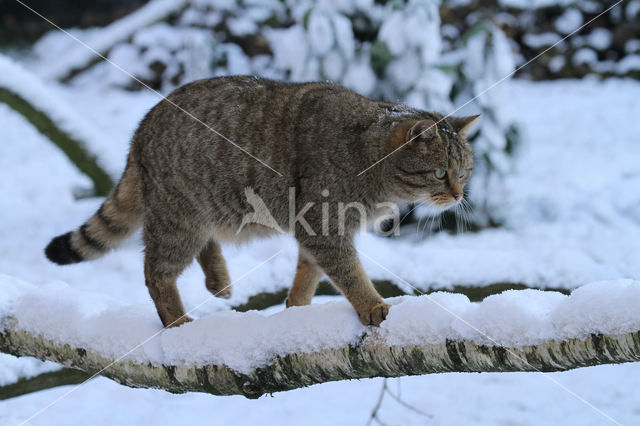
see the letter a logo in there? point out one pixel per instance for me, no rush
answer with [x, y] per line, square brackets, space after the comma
[260, 214]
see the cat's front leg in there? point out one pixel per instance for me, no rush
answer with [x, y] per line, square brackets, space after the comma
[339, 260]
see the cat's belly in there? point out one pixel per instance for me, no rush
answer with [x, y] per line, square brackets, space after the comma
[243, 233]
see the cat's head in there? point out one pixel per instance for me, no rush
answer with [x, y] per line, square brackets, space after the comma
[434, 162]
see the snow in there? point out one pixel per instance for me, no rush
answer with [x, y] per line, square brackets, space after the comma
[127, 56]
[13, 368]
[160, 34]
[571, 213]
[392, 35]
[599, 38]
[245, 341]
[632, 46]
[25, 84]
[577, 241]
[533, 4]
[404, 71]
[333, 66]
[120, 30]
[585, 55]
[289, 50]
[557, 63]
[629, 63]
[237, 62]
[569, 21]
[488, 60]
[344, 35]
[241, 26]
[632, 9]
[359, 77]
[320, 33]
[537, 41]
[450, 399]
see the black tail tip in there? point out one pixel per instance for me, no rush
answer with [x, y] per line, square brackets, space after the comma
[61, 251]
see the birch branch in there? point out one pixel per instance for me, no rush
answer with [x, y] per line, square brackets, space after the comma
[364, 360]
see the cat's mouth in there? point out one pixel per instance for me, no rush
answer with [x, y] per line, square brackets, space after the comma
[445, 201]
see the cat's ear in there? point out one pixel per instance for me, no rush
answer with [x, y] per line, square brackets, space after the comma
[422, 130]
[462, 125]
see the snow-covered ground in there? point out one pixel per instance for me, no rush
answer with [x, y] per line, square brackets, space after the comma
[572, 211]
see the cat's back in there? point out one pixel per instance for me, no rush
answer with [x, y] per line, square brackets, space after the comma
[236, 115]
[254, 102]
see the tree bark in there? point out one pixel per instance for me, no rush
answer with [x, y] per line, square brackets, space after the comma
[364, 360]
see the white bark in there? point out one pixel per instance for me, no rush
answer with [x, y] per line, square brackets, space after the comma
[368, 359]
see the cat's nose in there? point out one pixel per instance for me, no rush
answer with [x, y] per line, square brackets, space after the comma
[457, 196]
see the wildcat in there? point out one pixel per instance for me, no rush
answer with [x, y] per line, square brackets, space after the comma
[195, 154]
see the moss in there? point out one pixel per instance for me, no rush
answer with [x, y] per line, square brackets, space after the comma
[72, 148]
[386, 289]
[66, 376]
[380, 57]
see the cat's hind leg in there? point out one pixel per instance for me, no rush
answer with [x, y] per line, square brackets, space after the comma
[215, 270]
[308, 275]
[169, 249]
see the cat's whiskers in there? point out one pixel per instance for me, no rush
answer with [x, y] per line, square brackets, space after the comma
[467, 210]
[421, 202]
[461, 217]
[428, 221]
[429, 224]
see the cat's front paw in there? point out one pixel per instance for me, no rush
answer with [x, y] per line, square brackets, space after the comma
[374, 315]
[222, 290]
[178, 322]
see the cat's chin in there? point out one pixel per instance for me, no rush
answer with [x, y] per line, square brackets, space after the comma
[442, 206]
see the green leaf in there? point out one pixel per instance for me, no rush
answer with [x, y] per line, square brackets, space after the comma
[380, 57]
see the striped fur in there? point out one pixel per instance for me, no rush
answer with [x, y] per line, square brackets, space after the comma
[116, 219]
[185, 182]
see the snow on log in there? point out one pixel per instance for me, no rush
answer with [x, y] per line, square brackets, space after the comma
[80, 57]
[46, 111]
[252, 353]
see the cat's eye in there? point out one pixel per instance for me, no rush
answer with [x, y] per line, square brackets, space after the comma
[462, 174]
[441, 173]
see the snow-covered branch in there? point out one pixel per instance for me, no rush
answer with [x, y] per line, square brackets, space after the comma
[82, 57]
[253, 353]
[365, 359]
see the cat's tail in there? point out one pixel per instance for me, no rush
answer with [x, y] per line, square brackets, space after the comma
[116, 220]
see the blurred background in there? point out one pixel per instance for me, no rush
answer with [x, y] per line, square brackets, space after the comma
[555, 193]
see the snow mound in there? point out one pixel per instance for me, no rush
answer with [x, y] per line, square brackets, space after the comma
[79, 55]
[46, 99]
[245, 341]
